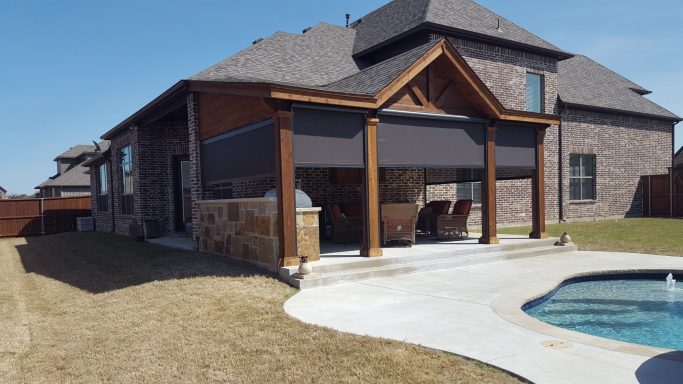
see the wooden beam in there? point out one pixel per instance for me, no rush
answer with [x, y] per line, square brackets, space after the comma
[489, 230]
[284, 175]
[538, 190]
[371, 237]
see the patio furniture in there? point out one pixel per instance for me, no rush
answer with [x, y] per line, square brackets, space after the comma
[454, 226]
[344, 227]
[399, 222]
[428, 216]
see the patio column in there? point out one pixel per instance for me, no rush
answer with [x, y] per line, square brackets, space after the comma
[538, 190]
[371, 242]
[284, 176]
[489, 231]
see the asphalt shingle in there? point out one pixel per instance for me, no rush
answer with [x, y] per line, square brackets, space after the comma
[315, 58]
[584, 82]
[401, 16]
[372, 80]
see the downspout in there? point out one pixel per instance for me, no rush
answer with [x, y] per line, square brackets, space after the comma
[560, 165]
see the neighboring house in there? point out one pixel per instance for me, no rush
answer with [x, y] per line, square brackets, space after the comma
[678, 158]
[442, 95]
[72, 178]
[3, 194]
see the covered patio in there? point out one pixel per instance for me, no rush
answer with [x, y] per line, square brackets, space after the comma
[435, 115]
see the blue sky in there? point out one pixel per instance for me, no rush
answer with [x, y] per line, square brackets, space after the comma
[72, 69]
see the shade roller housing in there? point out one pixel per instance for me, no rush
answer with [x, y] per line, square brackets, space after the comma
[430, 143]
[515, 145]
[328, 138]
[244, 153]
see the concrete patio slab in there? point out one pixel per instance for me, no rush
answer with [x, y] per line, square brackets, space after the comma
[475, 311]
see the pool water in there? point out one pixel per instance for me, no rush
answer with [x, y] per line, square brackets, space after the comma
[632, 310]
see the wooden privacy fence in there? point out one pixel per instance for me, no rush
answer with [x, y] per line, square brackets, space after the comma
[27, 217]
[663, 194]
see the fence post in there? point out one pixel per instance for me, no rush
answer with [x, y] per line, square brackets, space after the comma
[42, 216]
[671, 192]
[649, 196]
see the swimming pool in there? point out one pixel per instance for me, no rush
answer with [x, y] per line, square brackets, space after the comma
[636, 308]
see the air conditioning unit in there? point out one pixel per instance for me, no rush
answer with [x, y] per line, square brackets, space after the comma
[85, 224]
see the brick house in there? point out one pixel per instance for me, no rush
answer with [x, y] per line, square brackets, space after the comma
[419, 100]
[72, 177]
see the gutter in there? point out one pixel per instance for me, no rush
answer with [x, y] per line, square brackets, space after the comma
[623, 112]
[176, 90]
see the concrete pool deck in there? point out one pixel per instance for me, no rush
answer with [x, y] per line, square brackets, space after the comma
[474, 311]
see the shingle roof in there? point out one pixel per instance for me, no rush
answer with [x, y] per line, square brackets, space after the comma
[76, 151]
[584, 82]
[315, 58]
[400, 16]
[74, 177]
[3, 189]
[372, 80]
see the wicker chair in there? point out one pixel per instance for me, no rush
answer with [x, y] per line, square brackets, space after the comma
[454, 226]
[398, 222]
[345, 229]
[428, 216]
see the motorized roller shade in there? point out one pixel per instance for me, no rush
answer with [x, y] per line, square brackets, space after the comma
[244, 153]
[328, 138]
[515, 146]
[430, 143]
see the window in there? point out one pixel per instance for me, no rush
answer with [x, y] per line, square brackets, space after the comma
[103, 195]
[470, 190]
[582, 177]
[126, 181]
[534, 92]
[223, 191]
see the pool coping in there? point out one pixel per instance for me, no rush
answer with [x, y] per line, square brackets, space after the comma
[509, 307]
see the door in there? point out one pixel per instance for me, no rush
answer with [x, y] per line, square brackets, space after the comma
[183, 194]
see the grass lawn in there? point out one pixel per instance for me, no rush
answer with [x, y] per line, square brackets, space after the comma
[93, 308]
[650, 236]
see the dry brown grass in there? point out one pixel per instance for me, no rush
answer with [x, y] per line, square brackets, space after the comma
[91, 308]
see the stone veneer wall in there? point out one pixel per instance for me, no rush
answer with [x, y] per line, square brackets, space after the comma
[308, 233]
[246, 229]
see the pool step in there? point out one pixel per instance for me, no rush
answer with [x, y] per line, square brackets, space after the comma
[379, 267]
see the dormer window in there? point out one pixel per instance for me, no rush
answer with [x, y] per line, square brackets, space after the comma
[534, 92]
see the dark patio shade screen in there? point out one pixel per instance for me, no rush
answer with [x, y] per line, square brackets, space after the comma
[328, 138]
[243, 153]
[515, 146]
[430, 143]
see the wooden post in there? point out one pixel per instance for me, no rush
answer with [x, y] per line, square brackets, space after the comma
[371, 242]
[489, 231]
[538, 190]
[284, 176]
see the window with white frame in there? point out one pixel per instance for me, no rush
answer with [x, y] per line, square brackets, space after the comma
[469, 190]
[582, 170]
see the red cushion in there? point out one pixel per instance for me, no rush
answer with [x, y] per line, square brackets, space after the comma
[440, 207]
[462, 207]
[353, 209]
[335, 211]
[394, 224]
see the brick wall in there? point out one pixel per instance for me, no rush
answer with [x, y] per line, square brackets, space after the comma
[103, 219]
[154, 149]
[504, 70]
[625, 148]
